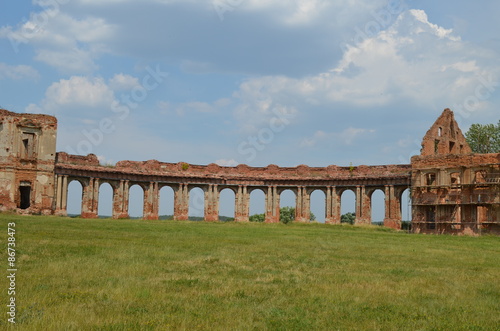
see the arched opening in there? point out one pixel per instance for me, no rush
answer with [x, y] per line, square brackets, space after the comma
[406, 209]
[75, 197]
[166, 207]
[348, 206]
[136, 201]
[287, 206]
[196, 204]
[287, 198]
[105, 205]
[257, 205]
[378, 207]
[227, 201]
[318, 205]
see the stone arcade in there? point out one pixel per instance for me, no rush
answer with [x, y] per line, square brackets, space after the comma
[452, 189]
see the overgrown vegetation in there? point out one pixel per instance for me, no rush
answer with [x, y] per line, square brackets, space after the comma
[287, 215]
[81, 274]
[348, 218]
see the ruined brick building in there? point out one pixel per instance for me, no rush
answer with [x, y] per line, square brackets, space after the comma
[452, 189]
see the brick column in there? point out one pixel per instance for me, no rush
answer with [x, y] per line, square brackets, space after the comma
[64, 204]
[61, 201]
[306, 205]
[181, 202]
[90, 199]
[120, 200]
[151, 197]
[212, 203]
[242, 206]
[58, 194]
[302, 205]
[332, 206]
[363, 206]
[367, 206]
[392, 208]
[272, 205]
[298, 205]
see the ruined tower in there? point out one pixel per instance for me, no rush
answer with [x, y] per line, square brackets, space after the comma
[444, 137]
[454, 190]
[27, 158]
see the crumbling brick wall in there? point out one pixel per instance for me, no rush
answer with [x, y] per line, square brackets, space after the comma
[27, 158]
[454, 190]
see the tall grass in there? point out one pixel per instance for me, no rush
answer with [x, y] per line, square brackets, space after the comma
[76, 274]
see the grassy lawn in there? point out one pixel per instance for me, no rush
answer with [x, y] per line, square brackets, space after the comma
[76, 274]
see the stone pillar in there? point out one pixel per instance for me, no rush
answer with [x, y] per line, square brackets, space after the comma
[332, 214]
[306, 205]
[392, 209]
[302, 205]
[299, 205]
[366, 209]
[58, 195]
[151, 201]
[242, 205]
[272, 205]
[181, 202]
[120, 200]
[212, 203]
[363, 206]
[64, 204]
[90, 199]
[61, 200]
[126, 197]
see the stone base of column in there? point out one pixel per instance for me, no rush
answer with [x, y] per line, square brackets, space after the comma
[301, 220]
[332, 221]
[211, 218]
[272, 219]
[150, 217]
[121, 216]
[394, 224]
[361, 221]
[89, 215]
[60, 212]
[181, 217]
[241, 219]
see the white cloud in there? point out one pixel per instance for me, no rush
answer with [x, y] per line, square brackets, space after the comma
[33, 109]
[123, 82]
[80, 92]
[412, 61]
[346, 137]
[350, 134]
[227, 163]
[185, 108]
[441, 32]
[70, 60]
[60, 40]
[18, 72]
[105, 161]
[469, 66]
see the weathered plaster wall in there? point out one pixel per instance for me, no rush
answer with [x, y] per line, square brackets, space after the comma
[27, 158]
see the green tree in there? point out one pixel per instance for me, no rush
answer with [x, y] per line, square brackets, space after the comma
[348, 218]
[287, 215]
[257, 218]
[484, 138]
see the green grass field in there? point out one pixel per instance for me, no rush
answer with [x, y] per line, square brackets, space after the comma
[76, 274]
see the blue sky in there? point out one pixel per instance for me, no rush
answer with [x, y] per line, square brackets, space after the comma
[250, 81]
